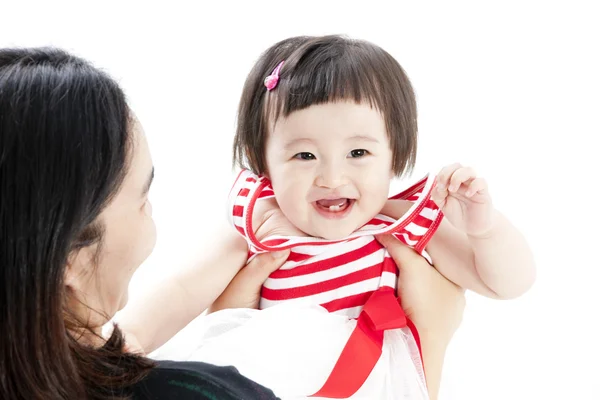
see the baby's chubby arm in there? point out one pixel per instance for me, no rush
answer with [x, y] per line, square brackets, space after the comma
[498, 264]
[475, 246]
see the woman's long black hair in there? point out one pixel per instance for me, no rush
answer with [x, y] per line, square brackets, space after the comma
[64, 151]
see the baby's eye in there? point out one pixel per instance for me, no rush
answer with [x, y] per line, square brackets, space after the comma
[305, 156]
[358, 153]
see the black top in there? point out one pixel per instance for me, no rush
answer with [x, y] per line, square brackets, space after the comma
[198, 381]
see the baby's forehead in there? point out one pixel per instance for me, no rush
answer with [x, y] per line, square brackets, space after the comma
[344, 119]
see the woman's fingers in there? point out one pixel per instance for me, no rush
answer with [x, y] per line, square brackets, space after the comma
[244, 290]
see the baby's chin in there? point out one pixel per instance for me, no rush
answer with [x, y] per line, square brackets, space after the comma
[330, 233]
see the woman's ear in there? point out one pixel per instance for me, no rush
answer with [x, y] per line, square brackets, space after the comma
[77, 267]
[72, 270]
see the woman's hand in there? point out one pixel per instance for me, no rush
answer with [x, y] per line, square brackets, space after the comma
[244, 290]
[433, 303]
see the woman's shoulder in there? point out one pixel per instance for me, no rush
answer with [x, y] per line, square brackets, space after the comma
[198, 381]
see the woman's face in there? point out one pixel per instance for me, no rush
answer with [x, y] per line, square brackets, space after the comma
[100, 274]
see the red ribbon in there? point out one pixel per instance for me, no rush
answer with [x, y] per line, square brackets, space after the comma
[362, 351]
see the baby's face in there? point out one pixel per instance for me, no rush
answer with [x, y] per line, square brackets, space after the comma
[330, 166]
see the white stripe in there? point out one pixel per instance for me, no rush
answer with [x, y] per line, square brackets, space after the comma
[416, 229]
[241, 201]
[430, 213]
[324, 297]
[322, 276]
[388, 279]
[239, 221]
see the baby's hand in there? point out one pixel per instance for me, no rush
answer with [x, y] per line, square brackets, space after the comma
[464, 199]
[268, 220]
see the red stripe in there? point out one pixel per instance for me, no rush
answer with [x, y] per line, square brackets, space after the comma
[429, 234]
[244, 192]
[266, 193]
[348, 302]
[298, 257]
[378, 221]
[422, 221]
[329, 263]
[414, 238]
[238, 211]
[275, 242]
[240, 230]
[370, 272]
[431, 204]
[389, 266]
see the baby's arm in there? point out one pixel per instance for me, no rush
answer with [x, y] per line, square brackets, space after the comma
[475, 246]
[498, 264]
[161, 312]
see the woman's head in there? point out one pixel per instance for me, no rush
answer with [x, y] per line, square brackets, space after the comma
[74, 217]
[339, 124]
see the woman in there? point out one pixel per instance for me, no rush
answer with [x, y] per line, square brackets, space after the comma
[75, 223]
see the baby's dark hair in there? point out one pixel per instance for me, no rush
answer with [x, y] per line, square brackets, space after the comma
[320, 70]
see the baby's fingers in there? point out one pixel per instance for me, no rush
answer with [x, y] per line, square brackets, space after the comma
[478, 185]
[461, 176]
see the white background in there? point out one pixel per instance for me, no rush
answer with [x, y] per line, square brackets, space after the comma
[512, 89]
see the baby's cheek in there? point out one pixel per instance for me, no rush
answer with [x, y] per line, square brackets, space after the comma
[377, 186]
[290, 204]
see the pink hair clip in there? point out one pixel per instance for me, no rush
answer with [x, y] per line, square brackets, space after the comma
[272, 80]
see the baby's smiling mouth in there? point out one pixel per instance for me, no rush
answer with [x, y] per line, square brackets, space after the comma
[334, 205]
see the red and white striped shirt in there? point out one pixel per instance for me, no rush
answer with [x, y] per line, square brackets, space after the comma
[339, 275]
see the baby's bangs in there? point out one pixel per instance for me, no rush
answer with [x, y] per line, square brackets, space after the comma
[353, 74]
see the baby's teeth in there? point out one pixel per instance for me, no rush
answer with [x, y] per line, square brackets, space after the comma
[334, 208]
